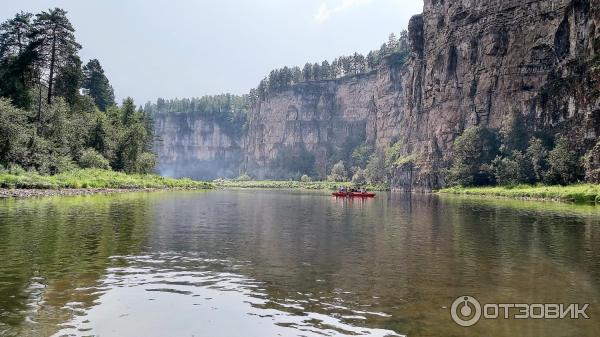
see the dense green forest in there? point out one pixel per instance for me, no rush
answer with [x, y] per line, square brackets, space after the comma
[57, 114]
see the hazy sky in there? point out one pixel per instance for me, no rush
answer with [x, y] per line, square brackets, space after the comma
[186, 48]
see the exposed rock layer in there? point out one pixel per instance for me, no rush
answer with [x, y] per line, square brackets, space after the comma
[473, 62]
[194, 146]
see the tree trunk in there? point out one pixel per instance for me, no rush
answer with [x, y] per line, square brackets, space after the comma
[52, 64]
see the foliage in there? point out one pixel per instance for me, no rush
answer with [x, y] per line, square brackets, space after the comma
[564, 164]
[90, 158]
[393, 153]
[338, 172]
[591, 163]
[230, 111]
[53, 39]
[512, 170]
[279, 79]
[93, 178]
[344, 153]
[538, 156]
[376, 169]
[472, 151]
[40, 56]
[581, 193]
[359, 178]
[395, 157]
[13, 133]
[291, 184]
[97, 85]
[360, 155]
[293, 163]
[305, 179]
[244, 177]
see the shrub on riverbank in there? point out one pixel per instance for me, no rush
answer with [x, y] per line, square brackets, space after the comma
[581, 193]
[93, 178]
[291, 184]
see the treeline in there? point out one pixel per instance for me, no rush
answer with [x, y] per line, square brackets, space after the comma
[57, 114]
[340, 67]
[230, 111]
[516, 155]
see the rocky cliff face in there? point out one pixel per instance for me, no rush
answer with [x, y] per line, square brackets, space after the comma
[189, 145]
[473, 62]
[319, 117]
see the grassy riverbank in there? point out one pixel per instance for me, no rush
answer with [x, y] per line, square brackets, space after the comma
[581, 193]
[94, 179]
[289, 184]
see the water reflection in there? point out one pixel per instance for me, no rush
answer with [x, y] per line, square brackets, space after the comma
[173, 295]
[290, 263]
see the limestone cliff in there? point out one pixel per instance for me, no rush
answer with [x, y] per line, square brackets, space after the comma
[472, 62]
[189, 145]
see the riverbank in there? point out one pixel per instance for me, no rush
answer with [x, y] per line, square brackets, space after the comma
[581, 193]
[88, 181]
[290, 184]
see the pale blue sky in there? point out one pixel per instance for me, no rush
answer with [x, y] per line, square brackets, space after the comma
[177, 48]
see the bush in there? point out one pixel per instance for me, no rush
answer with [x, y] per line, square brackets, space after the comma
[16, 170]
[359, 178]
[338, 173]
[90, 158]
[564, 164]
[305, 179]
[361, 154]
[146, 163]
[538, 156]
[472, 152]
[244, 177]
[591, 163]
[512, 170]
[376, 170]
[393, 153]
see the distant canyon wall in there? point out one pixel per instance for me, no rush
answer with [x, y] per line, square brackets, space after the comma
[473, 62]
[193, 146]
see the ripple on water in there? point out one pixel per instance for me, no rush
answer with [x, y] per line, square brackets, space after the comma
[168, 294]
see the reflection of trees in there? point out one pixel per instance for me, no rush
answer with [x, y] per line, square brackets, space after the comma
[405, 255]
[55, 250]
[401, 254]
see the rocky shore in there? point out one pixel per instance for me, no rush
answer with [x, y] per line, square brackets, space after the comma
[30, 193]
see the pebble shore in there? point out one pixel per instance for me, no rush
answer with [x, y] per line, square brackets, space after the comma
[31, 193]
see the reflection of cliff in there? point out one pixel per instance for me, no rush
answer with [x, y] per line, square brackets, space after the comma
[192, 146]
[471, 63]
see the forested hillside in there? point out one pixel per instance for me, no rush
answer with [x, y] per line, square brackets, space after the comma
[57, 113]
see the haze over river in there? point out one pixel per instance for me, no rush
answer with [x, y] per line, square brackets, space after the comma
[290, 263]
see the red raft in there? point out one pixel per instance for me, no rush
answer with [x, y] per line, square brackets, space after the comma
[353, 195]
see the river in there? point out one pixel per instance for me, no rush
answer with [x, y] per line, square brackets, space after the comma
[290, 263]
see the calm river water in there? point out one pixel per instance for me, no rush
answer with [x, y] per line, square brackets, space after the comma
[290, 263]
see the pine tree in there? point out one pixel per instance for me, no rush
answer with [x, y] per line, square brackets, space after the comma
[307, 72]
[69, 79]
[97, 85]
[55, 38]
[17, 60]
[316, 72]
[14, 35]
[325, 70]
